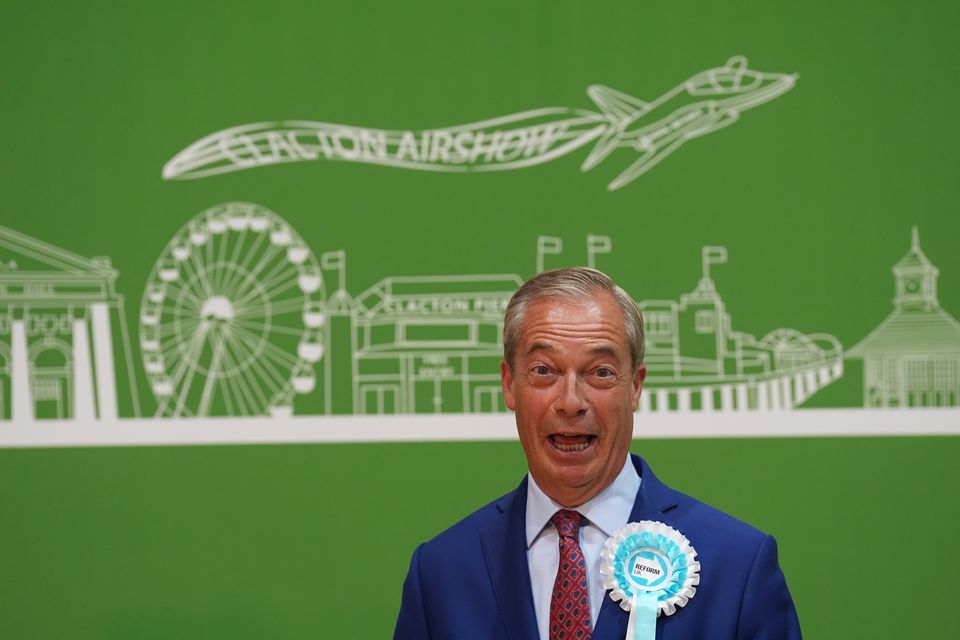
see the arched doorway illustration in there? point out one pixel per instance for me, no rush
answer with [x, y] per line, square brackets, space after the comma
[51, 371]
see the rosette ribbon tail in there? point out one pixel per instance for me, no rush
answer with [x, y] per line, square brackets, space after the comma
[642, 623]
[651, 570]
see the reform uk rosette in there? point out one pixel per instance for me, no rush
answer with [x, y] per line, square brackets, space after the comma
[651, 569]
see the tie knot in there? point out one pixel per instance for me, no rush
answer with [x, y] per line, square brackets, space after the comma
[567, 523]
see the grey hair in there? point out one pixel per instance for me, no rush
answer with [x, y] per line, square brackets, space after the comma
[574, 283]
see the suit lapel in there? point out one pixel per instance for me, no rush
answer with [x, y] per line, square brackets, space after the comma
[504, 545]
[653, 499]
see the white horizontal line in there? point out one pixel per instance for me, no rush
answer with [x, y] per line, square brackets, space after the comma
[453, 427]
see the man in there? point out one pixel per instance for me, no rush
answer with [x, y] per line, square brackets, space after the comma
[572, 372]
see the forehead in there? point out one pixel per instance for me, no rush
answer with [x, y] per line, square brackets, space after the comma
[572, 323]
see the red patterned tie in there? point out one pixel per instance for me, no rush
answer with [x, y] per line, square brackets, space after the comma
[570, 604]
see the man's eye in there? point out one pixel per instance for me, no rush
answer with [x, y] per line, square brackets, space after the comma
[604, 372]
[541, 370]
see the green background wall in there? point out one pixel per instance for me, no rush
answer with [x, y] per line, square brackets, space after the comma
[813, 195]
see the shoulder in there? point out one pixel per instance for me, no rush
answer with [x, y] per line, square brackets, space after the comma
[700, 515]
[706, 526]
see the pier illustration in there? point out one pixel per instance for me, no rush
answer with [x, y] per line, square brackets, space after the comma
[696, 361]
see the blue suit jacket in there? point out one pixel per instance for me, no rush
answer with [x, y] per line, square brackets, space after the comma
[471, 582]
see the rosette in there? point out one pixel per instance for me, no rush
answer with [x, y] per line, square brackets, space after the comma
[651, 569]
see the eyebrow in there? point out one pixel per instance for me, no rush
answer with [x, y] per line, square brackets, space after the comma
[597, 351]
[540, 346]
[607, 351]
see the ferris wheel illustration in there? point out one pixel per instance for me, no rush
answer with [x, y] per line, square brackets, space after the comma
[232, 318]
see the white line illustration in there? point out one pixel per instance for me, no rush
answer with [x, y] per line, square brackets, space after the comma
[597, 245]
[61, 327]
[232, 317]
[547, 245]
[707, 101]
[912, 359]
[696, 362]
[432, 344]
[237, 320]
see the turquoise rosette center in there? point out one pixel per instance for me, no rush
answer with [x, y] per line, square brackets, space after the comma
[639, 558]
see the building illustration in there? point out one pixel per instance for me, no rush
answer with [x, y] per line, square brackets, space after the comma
[912, 358]
[430, 344]
[64, 348]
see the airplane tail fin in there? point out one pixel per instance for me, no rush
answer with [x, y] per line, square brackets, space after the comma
[615, 103]
[619, 108]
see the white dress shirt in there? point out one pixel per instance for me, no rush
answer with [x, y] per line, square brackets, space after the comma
[607, 511]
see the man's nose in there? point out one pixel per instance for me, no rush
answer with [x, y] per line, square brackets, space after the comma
[571, 401]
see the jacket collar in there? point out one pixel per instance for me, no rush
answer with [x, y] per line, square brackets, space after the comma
[653, 500]
[505, 553]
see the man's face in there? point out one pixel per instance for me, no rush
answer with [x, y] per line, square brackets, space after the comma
[574, 392]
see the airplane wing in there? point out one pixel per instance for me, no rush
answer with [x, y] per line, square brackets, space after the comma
[647, 161]
[620, 109]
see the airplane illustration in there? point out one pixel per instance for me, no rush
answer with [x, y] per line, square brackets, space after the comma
[708, 101]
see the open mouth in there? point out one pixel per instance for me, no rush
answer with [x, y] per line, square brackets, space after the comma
[570, 442]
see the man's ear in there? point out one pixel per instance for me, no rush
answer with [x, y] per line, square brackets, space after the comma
[637, 383]
[506, 380]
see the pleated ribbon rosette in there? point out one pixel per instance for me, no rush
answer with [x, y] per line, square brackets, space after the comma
[650, 569]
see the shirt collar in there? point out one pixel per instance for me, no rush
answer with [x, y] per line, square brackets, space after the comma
[608, 510]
